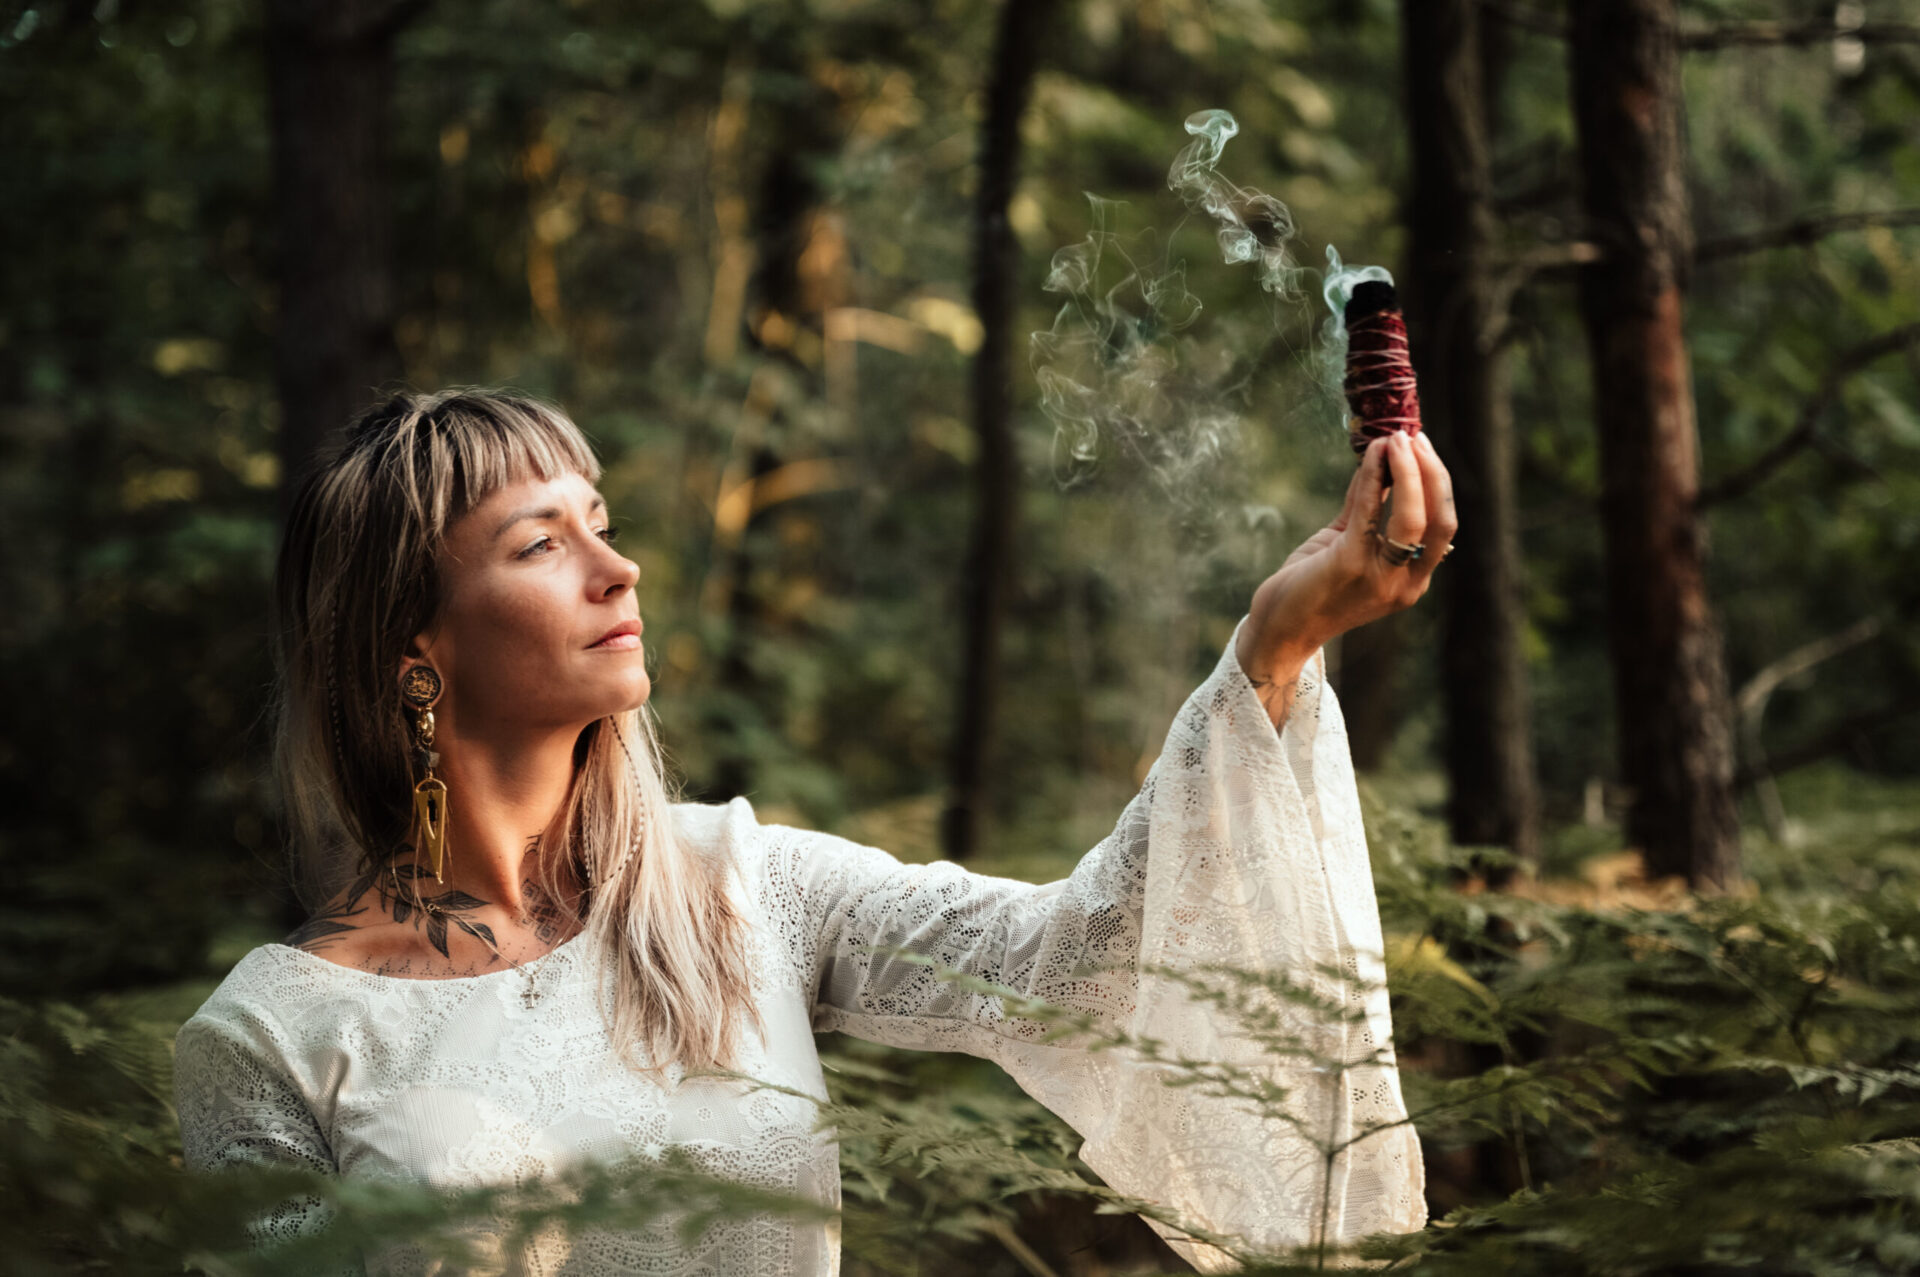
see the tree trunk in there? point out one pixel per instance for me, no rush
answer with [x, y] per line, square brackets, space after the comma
[736, 758]
[1368, 684]
[330, 87]
[1670, 688]
[1454, 326]
[995, 283]
[783, 223]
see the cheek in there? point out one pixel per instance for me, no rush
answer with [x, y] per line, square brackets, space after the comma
[505, 634]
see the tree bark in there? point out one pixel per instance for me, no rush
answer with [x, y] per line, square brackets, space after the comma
[329, 94]
[330, 89]
[989, 563]
[1670, 687]
[736, 758]
[782, 225]
[1454, 325]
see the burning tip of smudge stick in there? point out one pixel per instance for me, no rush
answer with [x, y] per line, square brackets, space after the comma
[1380, 387]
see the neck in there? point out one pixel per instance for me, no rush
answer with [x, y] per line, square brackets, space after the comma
[505, 795]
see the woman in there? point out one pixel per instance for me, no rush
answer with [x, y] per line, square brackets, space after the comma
[524, 955]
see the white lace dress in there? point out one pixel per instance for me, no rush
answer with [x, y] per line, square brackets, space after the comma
[1244, 846]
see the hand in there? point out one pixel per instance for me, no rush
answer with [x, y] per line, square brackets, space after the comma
[1338, 579]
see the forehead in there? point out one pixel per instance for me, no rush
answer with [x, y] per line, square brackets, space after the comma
[500, 508]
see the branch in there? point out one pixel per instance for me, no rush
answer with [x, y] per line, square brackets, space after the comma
[1831, 741]
[1510, 272]
[1838, 453]
[1753, 695]
[1805, 231]
[1763, 34]
[1807, 422]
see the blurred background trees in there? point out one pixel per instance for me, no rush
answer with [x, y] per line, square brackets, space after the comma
[780, 259]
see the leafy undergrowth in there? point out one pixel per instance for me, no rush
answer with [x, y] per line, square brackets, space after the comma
[1610, 1076]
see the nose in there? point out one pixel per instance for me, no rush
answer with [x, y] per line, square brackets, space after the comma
[624, 573]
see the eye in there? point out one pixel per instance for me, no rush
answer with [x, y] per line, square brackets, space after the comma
[545, 543]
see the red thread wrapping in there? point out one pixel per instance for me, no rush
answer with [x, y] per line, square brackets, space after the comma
[1380, 387]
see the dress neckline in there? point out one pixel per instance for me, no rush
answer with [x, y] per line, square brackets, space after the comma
[304, 956]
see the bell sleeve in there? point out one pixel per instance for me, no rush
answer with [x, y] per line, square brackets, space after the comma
[1243, 848]
[236, 1108]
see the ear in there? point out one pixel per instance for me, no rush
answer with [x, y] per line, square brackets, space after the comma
[419, 652]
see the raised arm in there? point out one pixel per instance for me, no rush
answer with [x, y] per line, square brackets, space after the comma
[1243, 848]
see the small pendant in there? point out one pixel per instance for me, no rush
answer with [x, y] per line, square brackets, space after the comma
[430, 814]
[529, 996]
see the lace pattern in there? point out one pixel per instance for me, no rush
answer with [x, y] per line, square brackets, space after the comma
[1243, 847]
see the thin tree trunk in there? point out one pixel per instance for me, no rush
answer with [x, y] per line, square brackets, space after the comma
[990, 554]
[735, 767]
[330, 89]
[1368, 683]
[1670, 687]
[782, 223]
[329, 93]
[1455, 324]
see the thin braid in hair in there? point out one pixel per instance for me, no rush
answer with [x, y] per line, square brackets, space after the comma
[633, 768]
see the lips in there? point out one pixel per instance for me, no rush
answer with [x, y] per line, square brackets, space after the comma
[622, 636]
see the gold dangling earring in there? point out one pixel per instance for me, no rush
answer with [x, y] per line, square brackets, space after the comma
[420, 689]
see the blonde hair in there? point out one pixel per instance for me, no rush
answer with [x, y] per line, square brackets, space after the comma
[357, 577]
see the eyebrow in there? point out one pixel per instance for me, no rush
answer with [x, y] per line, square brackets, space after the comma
[543, 512]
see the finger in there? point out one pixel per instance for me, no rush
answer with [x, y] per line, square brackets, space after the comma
[1367, 493]
[1353, 489]
[1408, 522]
[1442, 521]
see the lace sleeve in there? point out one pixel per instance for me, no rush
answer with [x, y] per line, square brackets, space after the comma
[237, 1109]
[1243, 848]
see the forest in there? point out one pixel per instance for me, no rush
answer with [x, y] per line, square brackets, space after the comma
[952, 425]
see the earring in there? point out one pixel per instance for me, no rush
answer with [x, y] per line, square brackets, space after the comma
[420, 688]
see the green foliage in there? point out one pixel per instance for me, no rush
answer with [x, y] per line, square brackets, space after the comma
[1675, 1084]
[1607, 1082]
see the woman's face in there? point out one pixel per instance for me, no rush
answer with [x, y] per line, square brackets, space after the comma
[530, 588]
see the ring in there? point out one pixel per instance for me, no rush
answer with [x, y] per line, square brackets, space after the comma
[1398, 553]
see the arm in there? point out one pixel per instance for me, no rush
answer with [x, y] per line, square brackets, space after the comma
[237, 1109]
[1244, 848]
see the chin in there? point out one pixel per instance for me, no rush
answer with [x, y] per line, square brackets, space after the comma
[630, 697]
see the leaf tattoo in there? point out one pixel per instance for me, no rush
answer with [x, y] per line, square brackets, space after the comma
[478, 930]
[328, 922]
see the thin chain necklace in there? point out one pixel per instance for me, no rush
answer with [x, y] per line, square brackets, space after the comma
[530, 992]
